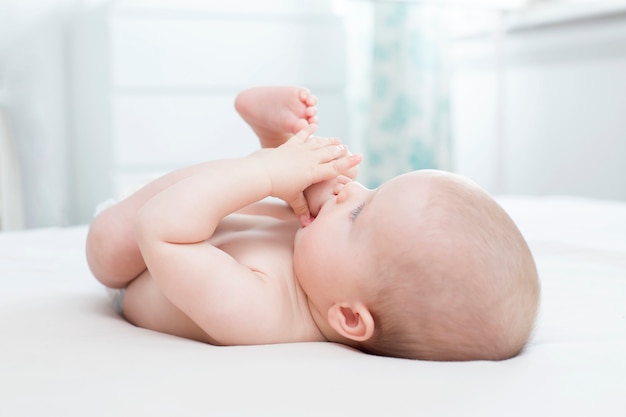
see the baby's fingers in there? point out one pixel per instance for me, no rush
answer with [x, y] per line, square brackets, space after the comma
[333, 151]
[319, 142]
[342, 165]
[345, 164]
[300, 207]
[303, 134]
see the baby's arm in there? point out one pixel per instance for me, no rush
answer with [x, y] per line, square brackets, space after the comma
[276, 209]
[111, 248]
[207, 284]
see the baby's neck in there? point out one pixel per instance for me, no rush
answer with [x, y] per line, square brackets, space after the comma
[303, 314]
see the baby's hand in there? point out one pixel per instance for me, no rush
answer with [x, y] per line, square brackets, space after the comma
[301, 161]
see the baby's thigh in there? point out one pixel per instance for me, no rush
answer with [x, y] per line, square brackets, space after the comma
[146, 306]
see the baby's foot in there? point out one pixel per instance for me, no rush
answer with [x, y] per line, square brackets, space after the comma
[277, 113]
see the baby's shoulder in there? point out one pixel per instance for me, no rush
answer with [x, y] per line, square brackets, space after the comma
[282, 305]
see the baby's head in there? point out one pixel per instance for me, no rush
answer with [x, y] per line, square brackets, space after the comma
[426, 266]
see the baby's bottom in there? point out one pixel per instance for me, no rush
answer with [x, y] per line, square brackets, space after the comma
[143, 304]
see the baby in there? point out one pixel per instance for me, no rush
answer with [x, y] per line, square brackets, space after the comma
[426, 266]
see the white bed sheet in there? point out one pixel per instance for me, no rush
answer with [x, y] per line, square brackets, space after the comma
[64, 352]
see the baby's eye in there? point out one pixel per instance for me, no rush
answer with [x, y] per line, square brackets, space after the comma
[356, 211]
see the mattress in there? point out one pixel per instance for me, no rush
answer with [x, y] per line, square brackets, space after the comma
[64, 352]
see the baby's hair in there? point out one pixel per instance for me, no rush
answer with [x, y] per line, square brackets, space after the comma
[467, 289]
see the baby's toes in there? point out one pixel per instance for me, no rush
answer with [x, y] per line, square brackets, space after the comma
[307, 98]
[310, 100]
[299, 125]
[305, 93]
[310, 111]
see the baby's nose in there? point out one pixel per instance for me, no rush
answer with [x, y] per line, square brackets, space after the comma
[341, 182]
[338, 187]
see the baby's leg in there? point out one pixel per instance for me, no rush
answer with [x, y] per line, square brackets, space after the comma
[276, 113]
[112, 251]
[144, 305]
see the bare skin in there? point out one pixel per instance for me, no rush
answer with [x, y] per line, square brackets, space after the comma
[258, 237]
[201, 258]
[276, 113]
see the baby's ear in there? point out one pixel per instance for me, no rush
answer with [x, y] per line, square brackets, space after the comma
[352, 321]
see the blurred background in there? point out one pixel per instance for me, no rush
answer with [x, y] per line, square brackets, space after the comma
[524, 97]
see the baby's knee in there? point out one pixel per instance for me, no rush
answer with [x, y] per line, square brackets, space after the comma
[104, 250]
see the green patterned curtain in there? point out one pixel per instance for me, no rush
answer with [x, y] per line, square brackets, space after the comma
[408, 114]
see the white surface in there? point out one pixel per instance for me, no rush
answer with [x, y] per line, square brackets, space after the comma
[65, 353]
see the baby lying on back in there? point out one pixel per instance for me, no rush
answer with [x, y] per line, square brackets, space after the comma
[426, 266]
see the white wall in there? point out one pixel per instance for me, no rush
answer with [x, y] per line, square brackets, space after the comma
[153, 83]
[553, 124]
[541, 110]
[59, 83]
[33, 86]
